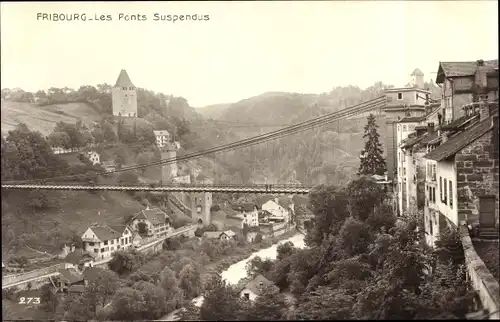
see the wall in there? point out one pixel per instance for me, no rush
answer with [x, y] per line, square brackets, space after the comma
[252, 295]
[480, 277]
[124, 102]
[109, 246]
[409, 96]
[15, 278]
[169, 170]
[446, 170]
[477, 166]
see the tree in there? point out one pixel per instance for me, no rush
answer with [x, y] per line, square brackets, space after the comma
[372, 161]
[123, 262]
[154, 300]
[221, 302]
[128, 304]
[270, 305]
[103, 287]
[190, 281]
[170, 284]
[257, 266]
[37, 200]
[326, 304]
[364, 196]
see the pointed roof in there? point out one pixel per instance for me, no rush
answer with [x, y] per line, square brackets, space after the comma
[123, 80]
[417, 72]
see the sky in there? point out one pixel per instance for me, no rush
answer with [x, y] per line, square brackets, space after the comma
[245, 48]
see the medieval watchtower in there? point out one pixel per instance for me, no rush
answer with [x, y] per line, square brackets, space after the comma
[124, 96]
[201, 203]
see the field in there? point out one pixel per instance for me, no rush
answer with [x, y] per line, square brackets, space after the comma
[44, 118]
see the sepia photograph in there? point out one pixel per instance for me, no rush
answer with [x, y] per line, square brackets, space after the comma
[249, 160]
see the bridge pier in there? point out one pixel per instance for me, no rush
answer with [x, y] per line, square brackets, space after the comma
[200, 203]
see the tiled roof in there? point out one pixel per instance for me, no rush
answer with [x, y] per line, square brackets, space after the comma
[155, 216]
[230, 233]
[455, 143]
[213, 234]
[119, 228]
[77, 256]
[429, 137]
[91, 273]
[162, 132]
[70, 275]
[457, 69]
[412, 141]
[263, 199]
[229, 210]
[256, 285]
[105, 233]
[123, 80]
[455, 124]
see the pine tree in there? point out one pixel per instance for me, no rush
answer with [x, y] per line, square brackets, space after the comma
[372, 161]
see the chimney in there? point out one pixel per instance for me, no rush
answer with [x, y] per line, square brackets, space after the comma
[484, 111]
[421, 131]
[481, 77]
[430, 127]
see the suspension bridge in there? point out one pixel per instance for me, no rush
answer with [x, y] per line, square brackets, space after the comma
[214, 188]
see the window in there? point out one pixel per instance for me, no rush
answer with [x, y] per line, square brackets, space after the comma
[416, 96]
[405, 128]
[434, 195]
[96, 250]
[430, 226]
[400, 96]
[445, 191]
[105, 242]
[102, 250]
[247, 295]
[441, 188]
[124, 88]
[91, 244]
[112, 241]
[451, 194]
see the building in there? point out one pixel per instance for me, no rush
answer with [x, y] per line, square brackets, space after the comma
[169, 170]
[256, 286]
[68, 278]
[222, 235]
[104, 240]
[151, 222]
[109, 166]
[94, 157]
[278, 207]
[402, 102]
[249, 212]
[458, 79]
[162, 138]
[79, 259]
[124, 96]
[201, 202]
[465, 166]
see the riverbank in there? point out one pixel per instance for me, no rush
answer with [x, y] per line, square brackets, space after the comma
[237, 270]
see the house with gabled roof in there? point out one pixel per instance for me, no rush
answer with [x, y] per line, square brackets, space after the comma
[103, 240]
[151, 223]
[457, 81]
[255, 287]
[79, 259]
[94, 157]
[222, 235]
[466, 174]
[248, 212]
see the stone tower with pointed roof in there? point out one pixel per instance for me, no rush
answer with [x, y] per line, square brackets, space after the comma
[124, 96]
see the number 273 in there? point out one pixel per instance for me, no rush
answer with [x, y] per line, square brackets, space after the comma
[27, 300]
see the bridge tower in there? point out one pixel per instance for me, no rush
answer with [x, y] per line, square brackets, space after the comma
[169, 170]
[201, 202]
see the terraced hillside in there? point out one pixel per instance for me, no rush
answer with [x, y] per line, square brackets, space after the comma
[44, 118]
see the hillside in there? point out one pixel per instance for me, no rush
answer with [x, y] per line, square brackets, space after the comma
[215, 111]
[44, 118]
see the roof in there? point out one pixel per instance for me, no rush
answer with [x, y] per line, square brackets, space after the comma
[76, 289]
[229, 233]
[77, 256]
[245, 206]
[229, 210]
[91, 273]
[256, 285]
[411, 119]
[70, 275]
[284, 202]
[427, 138]
[119, 228]
[263, 199]
[161, 132]
[108, 163]
[303, 211]
[417, 72]
[155, 216]
[461, 69]
[409, 142]
[212, 234]
[123, 80]
[105, 233]
[456, 143]
[455, 124]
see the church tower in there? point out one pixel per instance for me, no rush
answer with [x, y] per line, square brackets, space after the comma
[124, 96]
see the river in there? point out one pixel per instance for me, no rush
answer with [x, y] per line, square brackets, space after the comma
[237, 271]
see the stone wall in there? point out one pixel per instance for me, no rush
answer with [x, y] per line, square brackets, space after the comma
[477, 175]
[480, 277]
[16, 278]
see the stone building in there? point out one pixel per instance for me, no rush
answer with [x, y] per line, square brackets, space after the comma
[124, 96]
